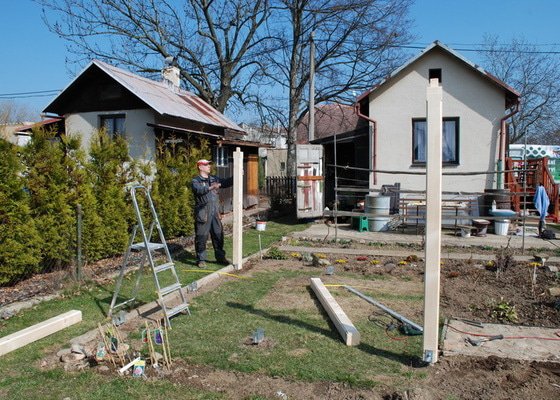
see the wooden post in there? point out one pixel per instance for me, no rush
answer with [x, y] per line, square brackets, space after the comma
[237, 208]
[345, 327]
[433, 221]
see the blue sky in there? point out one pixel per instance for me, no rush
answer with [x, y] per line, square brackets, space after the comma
[33, 59]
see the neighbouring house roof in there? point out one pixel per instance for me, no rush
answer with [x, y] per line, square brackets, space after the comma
[330, 119]
[512, 95]
[44, 123]
[158, 96]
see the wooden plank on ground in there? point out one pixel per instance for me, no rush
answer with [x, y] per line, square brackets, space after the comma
[38, 331]
[339, 318]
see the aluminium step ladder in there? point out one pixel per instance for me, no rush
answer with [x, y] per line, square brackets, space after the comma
[167, 293]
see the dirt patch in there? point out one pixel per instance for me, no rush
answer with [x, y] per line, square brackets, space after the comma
[486, 378]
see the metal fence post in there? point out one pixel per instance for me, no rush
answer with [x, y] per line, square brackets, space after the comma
[79, 243]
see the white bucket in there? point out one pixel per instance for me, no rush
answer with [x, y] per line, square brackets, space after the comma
[261, 226]
[501, 227]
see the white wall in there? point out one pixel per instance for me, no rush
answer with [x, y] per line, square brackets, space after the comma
[140, 137]
[467, 95]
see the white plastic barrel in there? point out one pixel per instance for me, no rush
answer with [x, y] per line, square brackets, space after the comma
[501, 227]
[378, 205]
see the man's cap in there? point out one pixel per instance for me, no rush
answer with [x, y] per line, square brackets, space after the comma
[203, 162]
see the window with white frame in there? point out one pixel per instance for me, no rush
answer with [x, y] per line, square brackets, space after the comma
[450, 140]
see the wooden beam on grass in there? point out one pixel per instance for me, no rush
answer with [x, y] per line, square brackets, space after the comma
[347, 330]
[433, 221]
[38, 331]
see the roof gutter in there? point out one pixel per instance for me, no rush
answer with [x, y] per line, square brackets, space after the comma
[374, 144]
[502, 147]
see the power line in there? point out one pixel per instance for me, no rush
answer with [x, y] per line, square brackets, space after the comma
[25, 96]
[33, 92]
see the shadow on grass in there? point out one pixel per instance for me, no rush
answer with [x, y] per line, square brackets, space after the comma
[332, 333]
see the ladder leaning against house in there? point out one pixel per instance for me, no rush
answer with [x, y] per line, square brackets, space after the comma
[536, 171]
[172, 291]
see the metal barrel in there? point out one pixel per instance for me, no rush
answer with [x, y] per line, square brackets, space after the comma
[378, 205]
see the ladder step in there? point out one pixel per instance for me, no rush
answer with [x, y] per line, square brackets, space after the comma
[176, 310]
[151, 246]
[169, 289]
[163, 267]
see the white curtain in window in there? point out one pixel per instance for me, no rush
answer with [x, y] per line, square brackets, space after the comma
[420, 141]
[449, 141]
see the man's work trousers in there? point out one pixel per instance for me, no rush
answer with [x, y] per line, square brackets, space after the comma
[212, 226]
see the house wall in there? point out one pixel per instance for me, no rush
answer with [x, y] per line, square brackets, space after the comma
[140, 137]
[274, 160]
[478, 104]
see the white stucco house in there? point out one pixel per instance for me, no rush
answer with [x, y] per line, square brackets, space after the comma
[476, 106]
[150, 112]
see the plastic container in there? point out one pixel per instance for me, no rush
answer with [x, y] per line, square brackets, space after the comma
[501, 227]
[260, 225]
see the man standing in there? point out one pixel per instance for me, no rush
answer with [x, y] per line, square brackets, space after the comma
[207, 213]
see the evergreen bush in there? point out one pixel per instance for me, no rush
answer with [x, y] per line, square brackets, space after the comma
[109, 167]
[20, 251]
[47, 180]
[173, 198]
[81, 192]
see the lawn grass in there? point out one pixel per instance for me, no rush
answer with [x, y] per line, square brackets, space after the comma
[223, 320]
[214, 335]
[20, 374]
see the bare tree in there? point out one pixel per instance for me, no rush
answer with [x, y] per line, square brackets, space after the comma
[215, 43]
[12, 112]
[356, 45]
[536, 75]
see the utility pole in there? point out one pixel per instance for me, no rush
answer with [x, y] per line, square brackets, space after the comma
[312, 87]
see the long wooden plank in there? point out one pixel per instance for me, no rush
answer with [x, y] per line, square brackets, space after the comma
[38, 331]
[433, 222]
[347, 330]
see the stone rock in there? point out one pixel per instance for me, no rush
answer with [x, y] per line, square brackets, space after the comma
[553, 268]
[103, 368]
[72, 357]
[62, 352]
[554, 291]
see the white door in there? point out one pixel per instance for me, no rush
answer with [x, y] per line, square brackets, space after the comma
[310, 180]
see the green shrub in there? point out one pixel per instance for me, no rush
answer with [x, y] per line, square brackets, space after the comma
[81, 192]
[173, 198]
[109, 168]
[47, 180]
[19, 252]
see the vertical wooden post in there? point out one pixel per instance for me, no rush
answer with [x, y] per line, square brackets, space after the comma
[237, 209]
[433, 221]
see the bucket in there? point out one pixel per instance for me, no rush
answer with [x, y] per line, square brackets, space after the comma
[378, 205]
[261, 225]
[501, 227]
[466, 232]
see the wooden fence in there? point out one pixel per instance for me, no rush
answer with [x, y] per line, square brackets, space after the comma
[283, 187]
